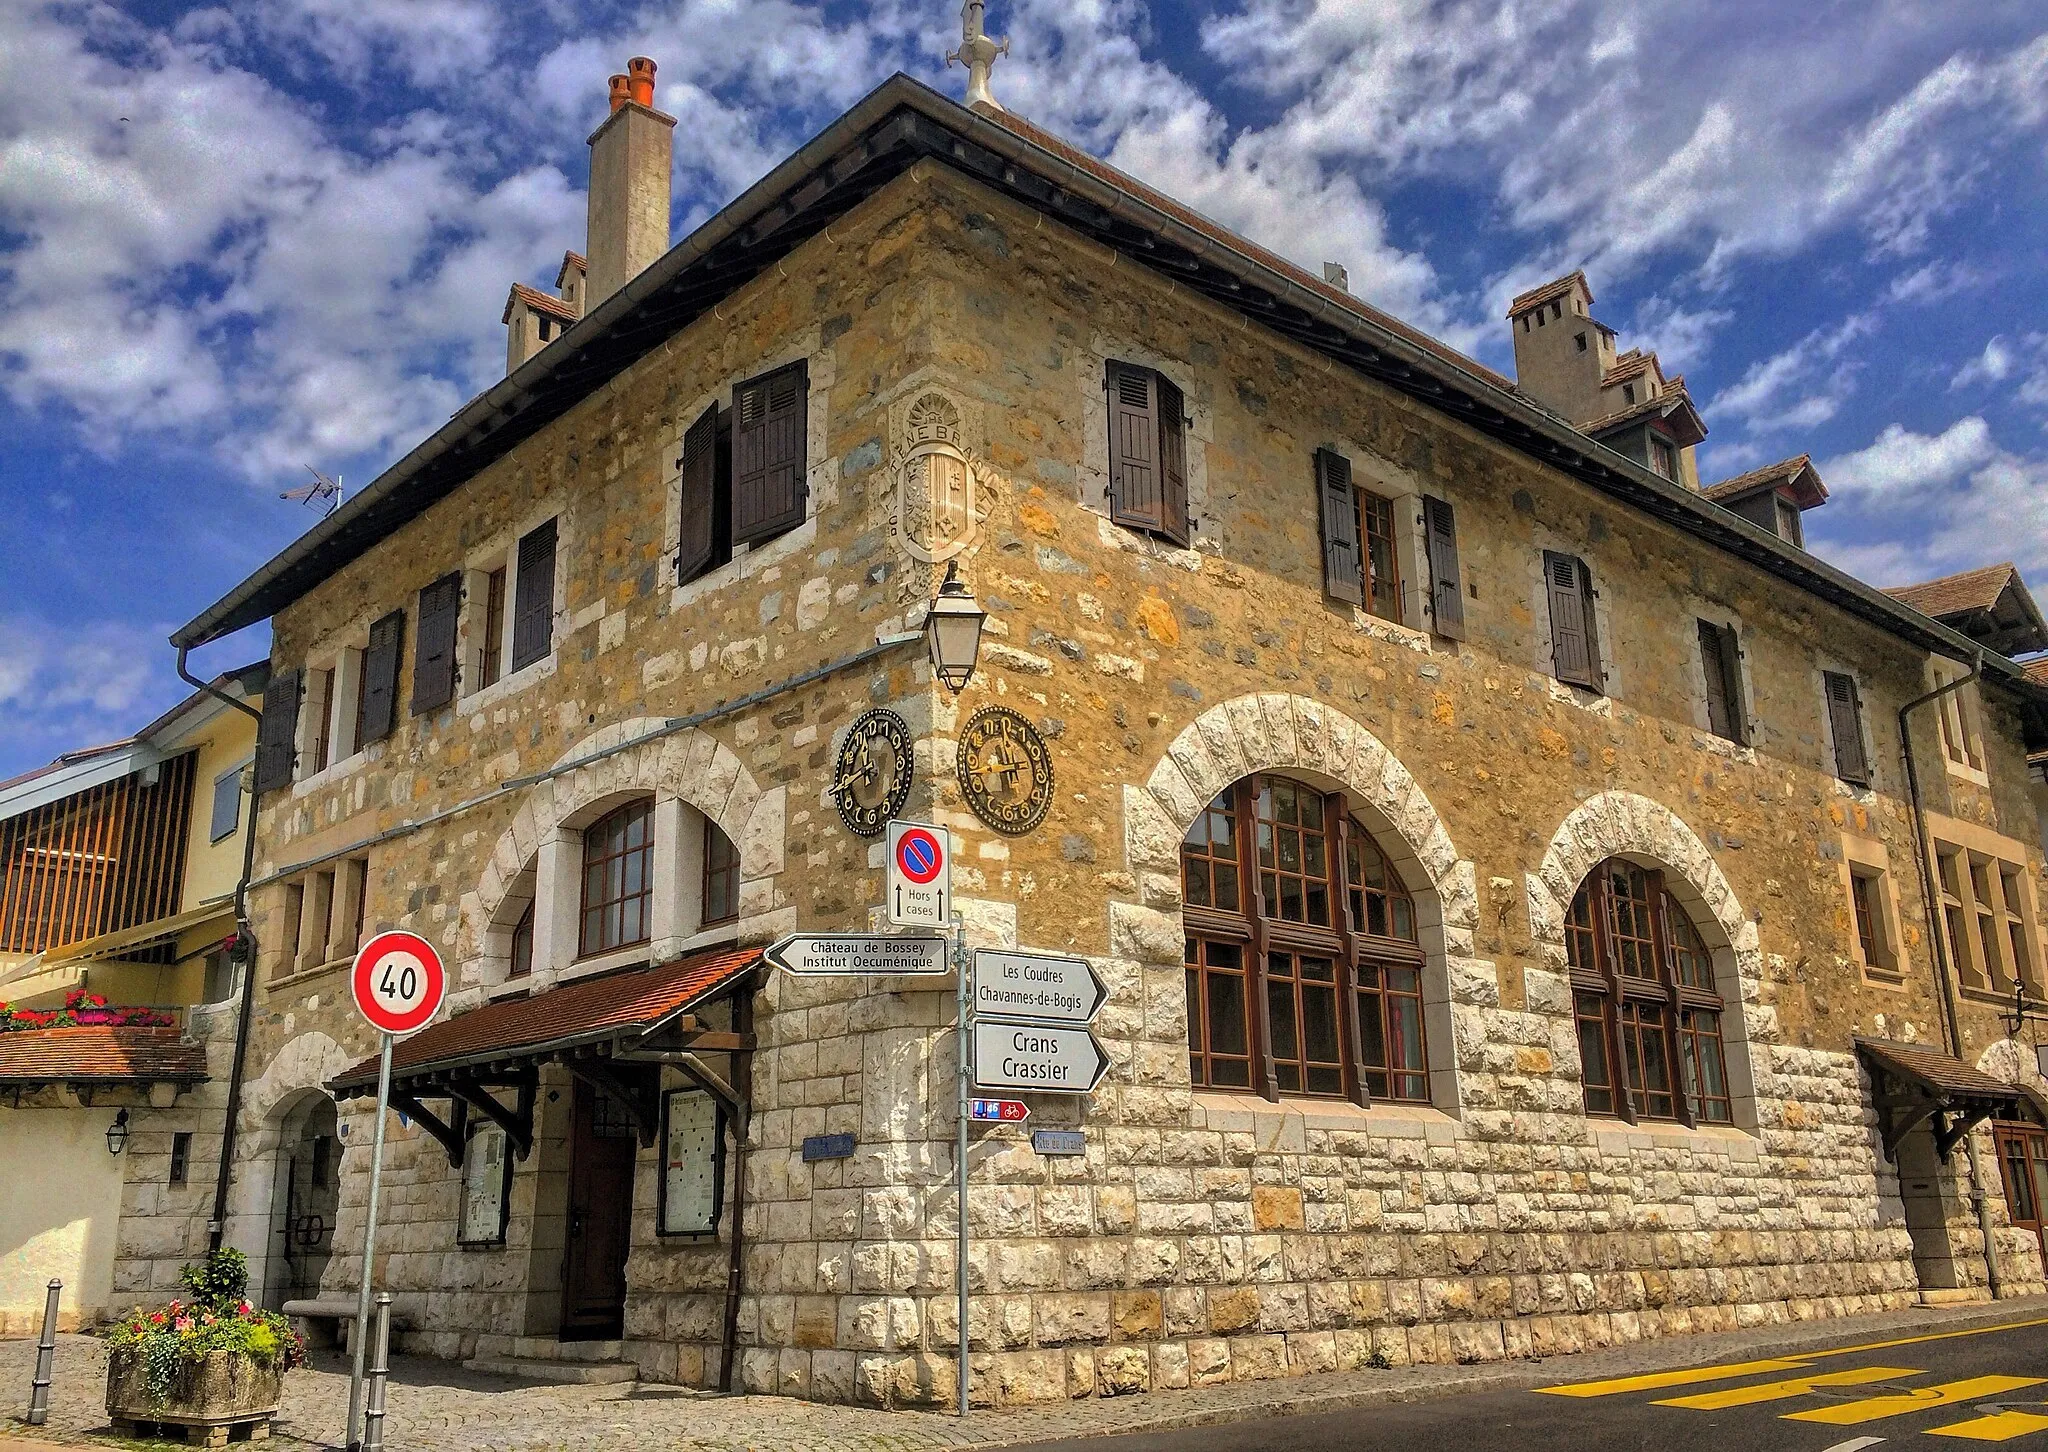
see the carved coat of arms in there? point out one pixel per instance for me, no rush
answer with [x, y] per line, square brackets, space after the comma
[940, 497]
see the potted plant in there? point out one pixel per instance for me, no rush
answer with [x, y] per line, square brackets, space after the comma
[206, 1365]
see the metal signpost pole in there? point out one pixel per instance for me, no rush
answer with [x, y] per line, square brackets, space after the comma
[46, 1353]
[962, 964]
[361, 1335]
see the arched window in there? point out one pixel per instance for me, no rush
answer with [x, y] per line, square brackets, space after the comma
[1643, 984]
[618, 879]
[1303, 972]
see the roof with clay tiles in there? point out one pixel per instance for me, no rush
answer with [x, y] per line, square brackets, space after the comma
[100, 1055]
[1535, 297]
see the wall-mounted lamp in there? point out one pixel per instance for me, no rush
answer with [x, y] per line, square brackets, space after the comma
[117, 1133]
[952, 630]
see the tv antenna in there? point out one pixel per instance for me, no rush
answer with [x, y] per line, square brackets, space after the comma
[323, 493]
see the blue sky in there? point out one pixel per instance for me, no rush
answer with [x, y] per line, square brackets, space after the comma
[236, 240]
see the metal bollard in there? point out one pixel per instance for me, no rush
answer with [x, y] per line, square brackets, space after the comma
[46, 1355]
[380, 1371]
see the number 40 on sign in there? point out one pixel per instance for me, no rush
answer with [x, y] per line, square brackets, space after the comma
[398, 982]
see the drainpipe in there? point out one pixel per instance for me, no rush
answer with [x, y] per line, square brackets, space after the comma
[736, 1249]
[245, 944]
[1951, 1009]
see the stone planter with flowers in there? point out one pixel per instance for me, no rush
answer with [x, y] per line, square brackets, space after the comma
[210, 1369]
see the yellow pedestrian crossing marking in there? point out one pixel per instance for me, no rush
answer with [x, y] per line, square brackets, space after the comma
[1657, 1381]
[1999, 1427]
[1920, 1399]
[1778, 1391]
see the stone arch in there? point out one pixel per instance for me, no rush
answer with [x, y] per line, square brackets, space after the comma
[1624, 824]
[691, 766]
[1275, 732]
[297, 1073]
[2014, 1062]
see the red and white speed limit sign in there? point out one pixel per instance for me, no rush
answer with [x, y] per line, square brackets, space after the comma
[398, 982]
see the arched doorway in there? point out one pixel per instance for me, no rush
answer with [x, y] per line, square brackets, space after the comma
[305, 1197]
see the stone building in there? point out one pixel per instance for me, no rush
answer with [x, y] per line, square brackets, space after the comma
[1500, 855]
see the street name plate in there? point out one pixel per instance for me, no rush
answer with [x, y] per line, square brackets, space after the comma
[1059, 1141]
[859, 955]
[828, 1147]
[1036, 987]
[1035, 1057]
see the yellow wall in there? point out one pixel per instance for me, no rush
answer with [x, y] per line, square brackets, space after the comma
[59, 1221]
[212, 868]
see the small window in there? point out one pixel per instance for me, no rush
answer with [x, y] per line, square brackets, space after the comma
[319, 699]
[547, 327]
[1628, 393]
[1790, 528]
[181, 1156]
[288, 934]
[1557, 309]
[1664, 459]
[1868, 898]
[1845, 727]
[1574, 632]
[358, 891]
[1148, 484]
[1581, 341]
[1382, 557]
[1721, 669]
[2022, 955]
[618, 879]
[320, 1173]
[491, 654]
[227, 804]
[1959, 740]
[522, 944]
[533, 597]
[219, 984]
[721, 876]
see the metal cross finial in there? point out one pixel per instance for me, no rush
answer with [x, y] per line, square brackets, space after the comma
[978, 53]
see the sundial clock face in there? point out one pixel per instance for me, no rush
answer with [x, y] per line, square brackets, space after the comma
[871, 778]
[1005, 770]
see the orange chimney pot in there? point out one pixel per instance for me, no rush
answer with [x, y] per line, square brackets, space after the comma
[640, 77]
[621, 91]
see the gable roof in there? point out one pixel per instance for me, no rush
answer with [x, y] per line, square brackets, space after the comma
[1796, 476]
[894, 127]
[540, 302]
[1673, 404]
[1535, 297]
[1991, 604]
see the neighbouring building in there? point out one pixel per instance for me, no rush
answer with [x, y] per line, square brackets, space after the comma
[118, 867]
[1499, 852]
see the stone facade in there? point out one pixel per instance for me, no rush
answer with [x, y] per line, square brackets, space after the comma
[1203, 1236]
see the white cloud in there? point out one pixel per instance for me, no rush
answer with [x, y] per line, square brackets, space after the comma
[64, 685]
[1993, 365]
[1913, 506]
[1931, 282]
[1801, 387]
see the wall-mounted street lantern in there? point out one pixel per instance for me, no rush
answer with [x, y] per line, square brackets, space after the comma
[952, 630]
[117, 1133]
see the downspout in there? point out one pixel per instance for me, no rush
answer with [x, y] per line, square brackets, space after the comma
[743, 1081]
[1951, 1009]
[245, 943]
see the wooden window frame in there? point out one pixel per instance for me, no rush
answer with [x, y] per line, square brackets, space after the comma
[611, 909]
[522, 655]
[715, 871]
[181, 1157]
[1555, 565]
[1166, 513]
[215, 832]
[1613, 1004]
[1260, 937]
[519, 964]
[491, 649]
[1376, 526]
[1839, 690]
[1720, 657]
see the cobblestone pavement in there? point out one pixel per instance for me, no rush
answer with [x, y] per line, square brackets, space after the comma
[436, 1406]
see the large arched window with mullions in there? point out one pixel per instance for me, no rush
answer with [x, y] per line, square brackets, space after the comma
[1304, 970]
[1649, 1017]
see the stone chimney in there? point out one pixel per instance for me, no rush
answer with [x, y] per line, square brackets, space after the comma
[630, 157]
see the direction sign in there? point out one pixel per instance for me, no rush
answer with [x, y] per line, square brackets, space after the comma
[1033, 1056]
[918, 889]
[1001, 1111]
[859, 955]
[1036, 987]
[398, 982]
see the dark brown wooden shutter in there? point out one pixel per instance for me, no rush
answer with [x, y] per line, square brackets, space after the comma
[1343, 577]
[1719, 656]
[433, 659]
[378, 710]
[277, 734]
[769, 488]
[533, 602]
[1135, 492]
[1573, 656]
[1845, 724]
[1446, 594]
[700, 478]
[1173, 463]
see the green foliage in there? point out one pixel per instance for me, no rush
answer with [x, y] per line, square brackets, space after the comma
[219, 1318]
[220, 1282]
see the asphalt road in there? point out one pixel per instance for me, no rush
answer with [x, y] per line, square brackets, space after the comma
[1967, 1388]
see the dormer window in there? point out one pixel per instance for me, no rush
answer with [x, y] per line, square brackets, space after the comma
[1628, 393]
[1790, 529]
[1664, 459]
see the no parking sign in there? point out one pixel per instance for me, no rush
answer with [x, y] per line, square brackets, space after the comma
[918, 891]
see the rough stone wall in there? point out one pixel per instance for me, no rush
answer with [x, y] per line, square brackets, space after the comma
[1203, 1236]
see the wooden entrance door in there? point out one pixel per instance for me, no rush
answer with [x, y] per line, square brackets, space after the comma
[602, 1146]
[2023, 1157]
